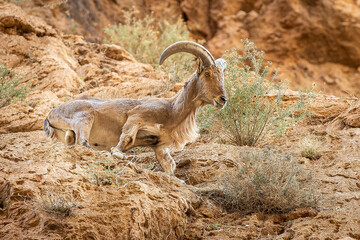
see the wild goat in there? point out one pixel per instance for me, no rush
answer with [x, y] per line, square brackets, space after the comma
[117, 125]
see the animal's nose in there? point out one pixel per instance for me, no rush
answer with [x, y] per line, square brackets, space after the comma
[223, 98]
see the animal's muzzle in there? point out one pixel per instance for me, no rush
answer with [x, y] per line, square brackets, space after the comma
[220, 102]
[223, 99]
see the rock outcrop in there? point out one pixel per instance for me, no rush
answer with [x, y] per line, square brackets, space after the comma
[50, 191]
[58, 68]
[311, 41]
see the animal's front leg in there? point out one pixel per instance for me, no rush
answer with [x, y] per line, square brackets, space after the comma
[165, 159]
[128, 136]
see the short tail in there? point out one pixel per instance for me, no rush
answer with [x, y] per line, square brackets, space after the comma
[49, 131]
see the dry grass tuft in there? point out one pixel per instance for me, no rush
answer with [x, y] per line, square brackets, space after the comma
[266, 182]
[57, 201]
[310, 147]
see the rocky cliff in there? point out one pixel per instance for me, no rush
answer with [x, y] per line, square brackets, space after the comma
[140, 201]
[311, 41]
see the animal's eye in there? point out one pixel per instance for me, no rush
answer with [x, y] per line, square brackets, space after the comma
[207, 74]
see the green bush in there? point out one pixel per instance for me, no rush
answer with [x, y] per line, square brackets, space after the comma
[10, 91]
[255, 108]
[266, 182]
[146, 39]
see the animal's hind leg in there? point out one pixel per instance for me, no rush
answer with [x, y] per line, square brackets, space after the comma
[82, 129]
[65, 136]
[72, 128]
[69, 137]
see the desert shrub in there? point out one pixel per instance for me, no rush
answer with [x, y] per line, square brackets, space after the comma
[10, 89]
[146, 39]
[310, 147]
[266, 182]
[100, 171]
[105, 169]
[255, 108]
[57, 201]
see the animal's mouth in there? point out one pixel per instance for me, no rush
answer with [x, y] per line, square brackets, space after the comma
[218, 105]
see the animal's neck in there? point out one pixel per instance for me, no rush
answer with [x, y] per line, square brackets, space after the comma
[185, 104]
[187, 101]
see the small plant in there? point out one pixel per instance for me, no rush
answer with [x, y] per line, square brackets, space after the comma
[266, 182]
[215, 226]
[310, 147]
[56, 201]
[100, 171]
[73, 26]
[255, 108]
[32, 104]
[151, 166]
[10, 89]
[146, 38]
[16, 2]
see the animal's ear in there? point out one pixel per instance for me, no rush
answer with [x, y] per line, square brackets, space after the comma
[221, 63]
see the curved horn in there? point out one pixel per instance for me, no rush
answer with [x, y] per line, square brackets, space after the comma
[189, 47]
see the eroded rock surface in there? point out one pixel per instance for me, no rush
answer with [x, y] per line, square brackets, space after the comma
[65, 66]
[134, 198]
[311, 41]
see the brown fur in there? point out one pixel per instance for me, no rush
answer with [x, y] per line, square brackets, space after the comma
[120, 124]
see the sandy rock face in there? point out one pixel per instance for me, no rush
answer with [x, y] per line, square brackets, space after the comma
[349, 118]
[24, 117]
[89, 17]
[32, 167]
[66, 66]
[28, 41]
[144, 205]
[311, 41]
[132, 198]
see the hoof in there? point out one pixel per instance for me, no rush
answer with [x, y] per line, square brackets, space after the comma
[183, 163]
[182, 181]
[178, 179]
[106, 153]
[118, 155]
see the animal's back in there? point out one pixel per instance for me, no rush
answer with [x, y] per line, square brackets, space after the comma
[105, 116]
[85, 105]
